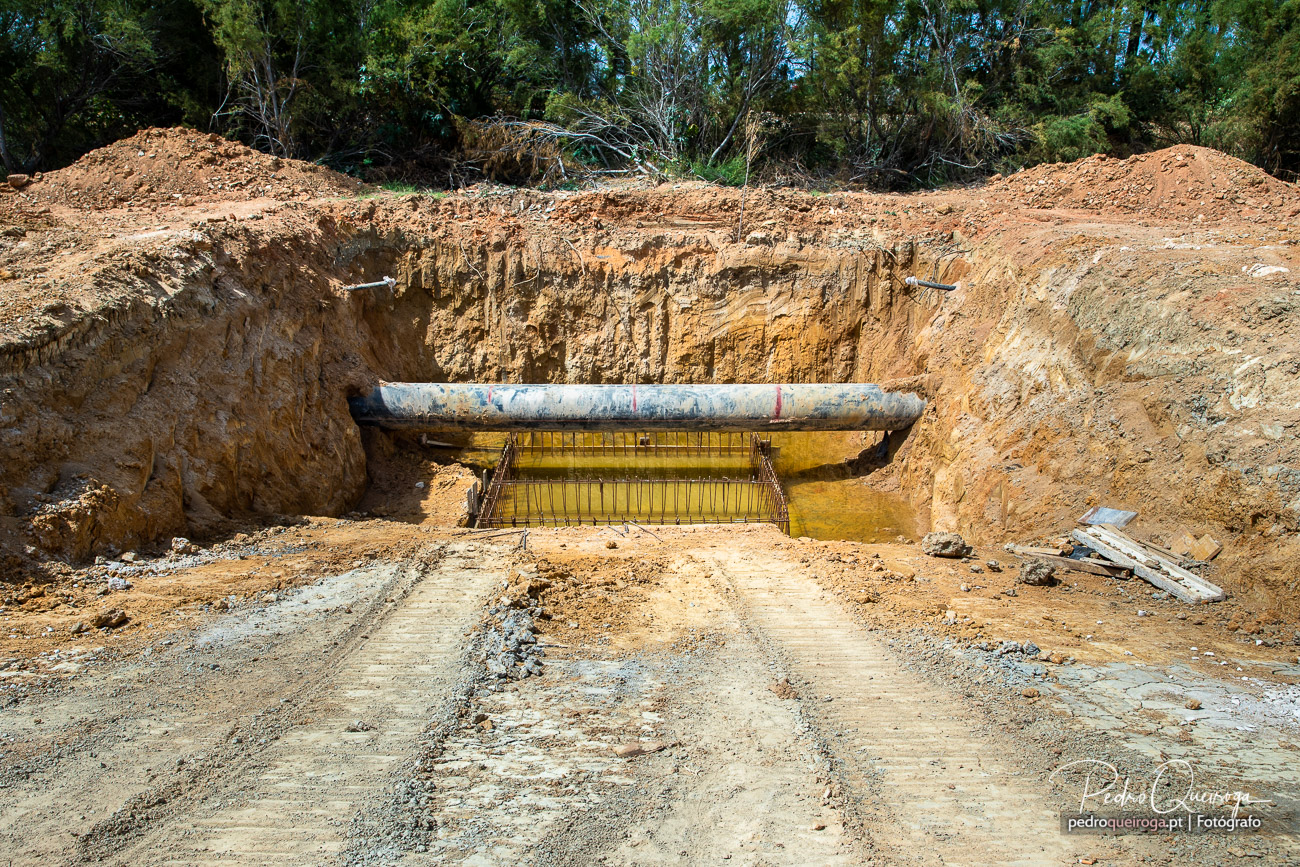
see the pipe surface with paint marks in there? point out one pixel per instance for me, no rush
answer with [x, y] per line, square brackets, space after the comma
[712, 407]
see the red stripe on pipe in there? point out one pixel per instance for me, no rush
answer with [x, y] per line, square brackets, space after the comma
[634, 398]
[778, 402]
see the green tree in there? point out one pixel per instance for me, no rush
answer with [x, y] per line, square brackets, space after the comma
[77, 73]
[292, 66]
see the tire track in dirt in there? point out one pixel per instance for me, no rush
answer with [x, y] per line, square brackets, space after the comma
[296, 806]
[939, 792]
[136, 742]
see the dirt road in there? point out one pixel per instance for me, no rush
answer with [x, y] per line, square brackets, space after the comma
[948, 794]
[260, 736]
[702, 699]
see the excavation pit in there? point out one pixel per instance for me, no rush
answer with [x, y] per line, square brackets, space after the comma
[573, 479]
[600, 454]
[835, 483]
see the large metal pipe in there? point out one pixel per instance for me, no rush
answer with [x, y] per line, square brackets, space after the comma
[473, 407]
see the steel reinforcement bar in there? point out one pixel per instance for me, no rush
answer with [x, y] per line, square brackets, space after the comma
[633, 443]
[515, 501]
[501, 476]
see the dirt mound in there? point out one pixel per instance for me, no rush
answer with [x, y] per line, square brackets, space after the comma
[171, 166]
[1182, 181]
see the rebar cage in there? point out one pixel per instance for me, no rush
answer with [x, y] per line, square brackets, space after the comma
[664, 477]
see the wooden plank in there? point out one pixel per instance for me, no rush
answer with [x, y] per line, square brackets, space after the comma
[1166, 565]
[1182, 545]
[1165, 552]
[1125, 544]
[1143, 571]
[1092, 567]
[1205, 549]
[1171, 578]
[1031, 551]
[1188, 546]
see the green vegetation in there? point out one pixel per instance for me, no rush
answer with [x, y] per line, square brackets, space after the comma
[729, 172]
[894, 93]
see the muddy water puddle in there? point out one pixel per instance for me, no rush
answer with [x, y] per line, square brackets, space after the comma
[821, 475]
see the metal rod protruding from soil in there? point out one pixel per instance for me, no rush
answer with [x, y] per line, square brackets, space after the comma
[387, 281]
[930, 284]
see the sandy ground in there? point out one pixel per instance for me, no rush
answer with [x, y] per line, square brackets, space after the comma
[784, 702]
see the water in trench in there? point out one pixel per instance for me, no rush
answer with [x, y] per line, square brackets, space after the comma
[820, 472]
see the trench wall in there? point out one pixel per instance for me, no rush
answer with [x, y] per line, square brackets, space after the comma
[212, 384]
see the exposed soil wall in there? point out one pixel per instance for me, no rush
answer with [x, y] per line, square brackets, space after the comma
[217, 386]
[171, 380]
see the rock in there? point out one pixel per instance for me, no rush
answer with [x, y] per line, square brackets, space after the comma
[115, 583]
[943, 208]
[993, 566]
[1010, 591]
[1056, 657]
[783, 689]
[758, 238]
[867, 597]
[18, 180]
[359, 726]
[1192, 704]
[130, 557]
[480, 717]
[944, 545]
[965, 588]
[976, 568]
[486, 725]
[611, 544]
[110, 618]
[1029, 692]
[270, 597]
[181, 545]
[1037, 573]
[1030, 649]
[78, 627]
